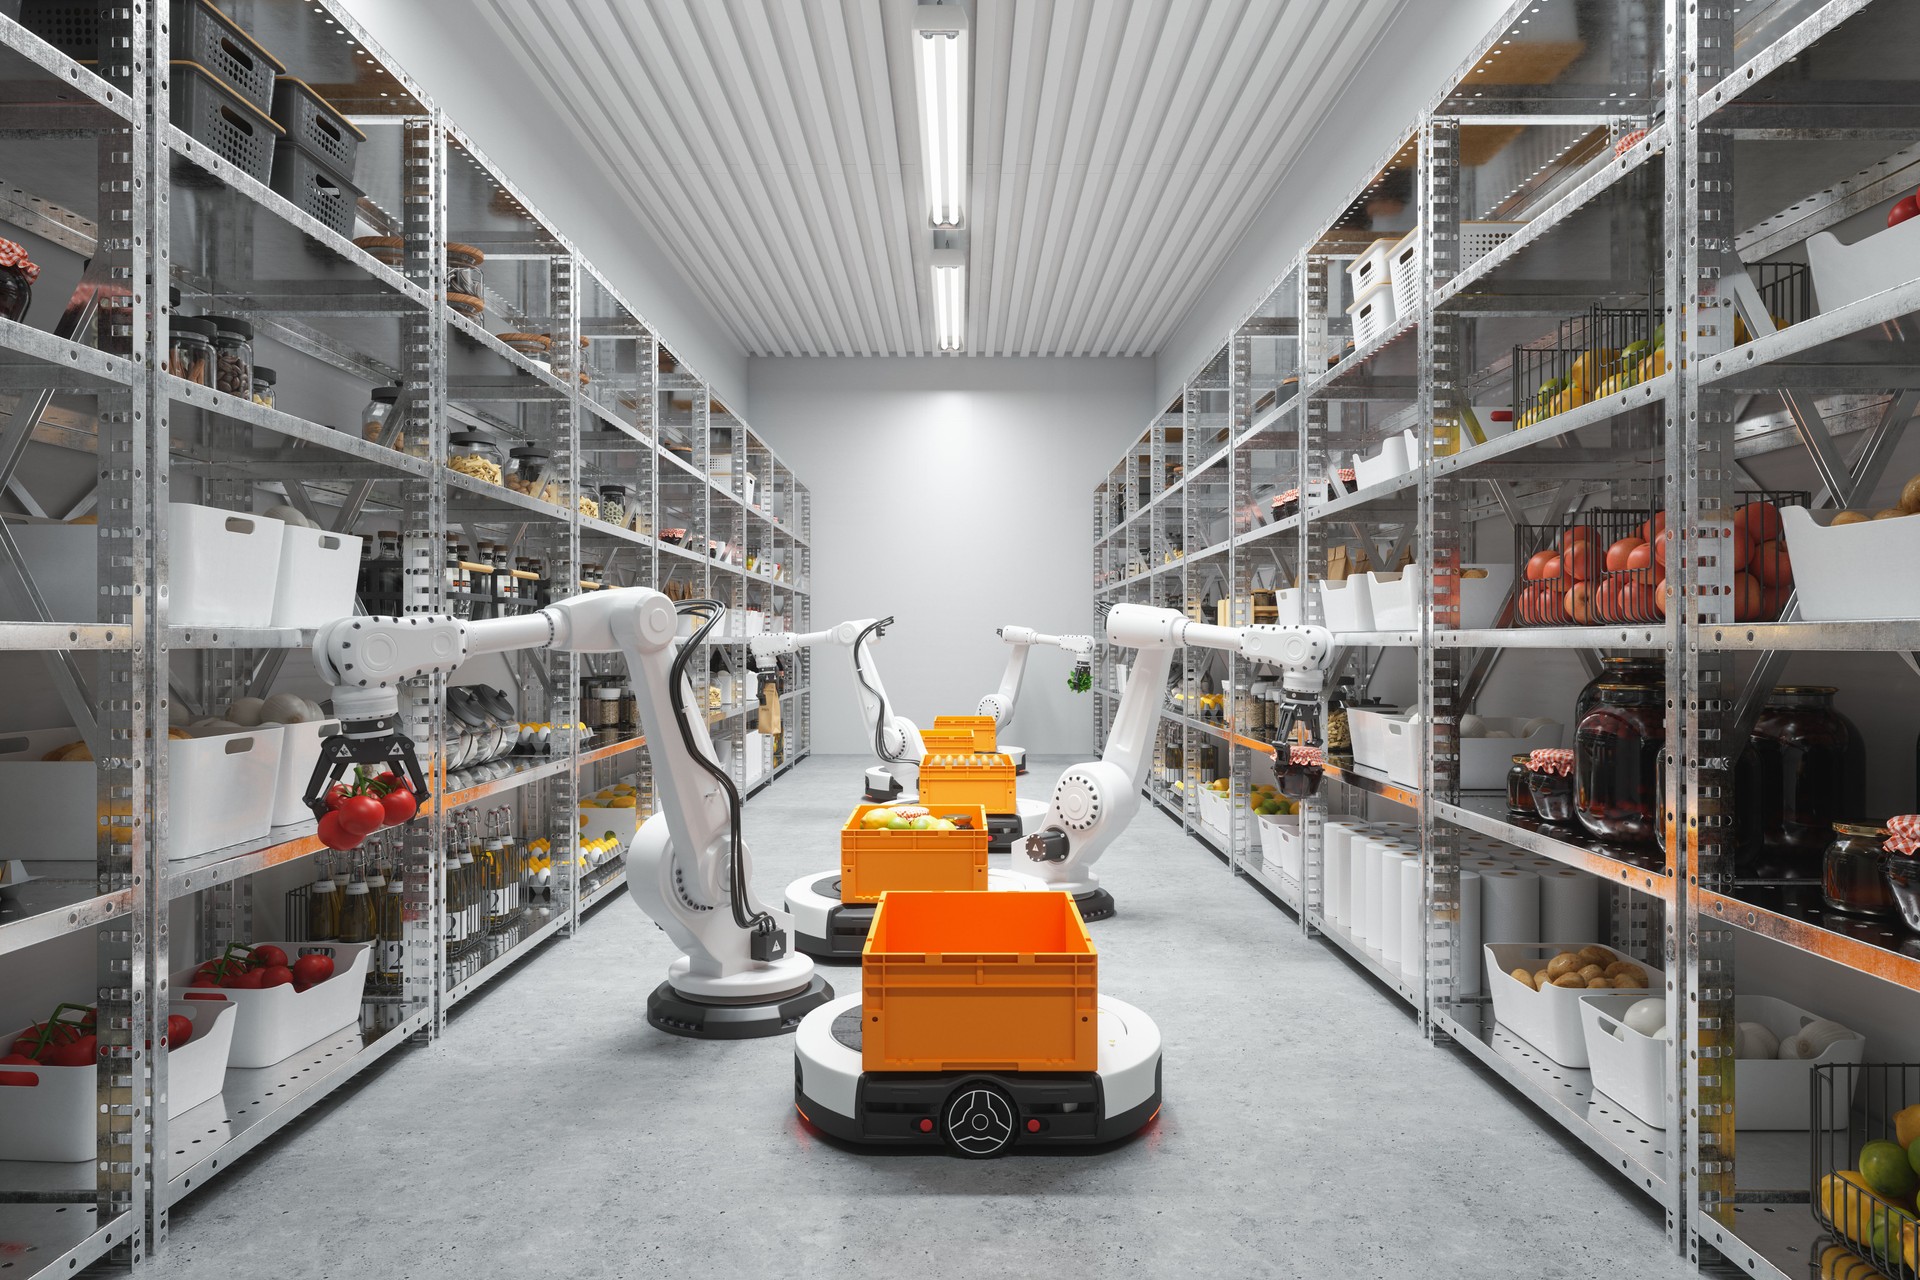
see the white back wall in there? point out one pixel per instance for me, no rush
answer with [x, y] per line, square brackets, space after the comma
[957, 496]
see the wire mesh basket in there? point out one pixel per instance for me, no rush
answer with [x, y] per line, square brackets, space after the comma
[1605, 351]
[1851, 1171]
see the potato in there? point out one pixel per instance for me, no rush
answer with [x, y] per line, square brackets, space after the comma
[1910, 495]
[1848, 517]
[1523, 977]
[1592, 971]
[1540, 980]
[1637, 979]
[1570, 980]
[1619, 967]
[1596, 984]
[1891, 513]
[1598, 955]
[1565, 962]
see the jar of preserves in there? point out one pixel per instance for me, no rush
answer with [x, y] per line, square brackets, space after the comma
[1810, 773]
[264, 381]
[1616, 760]
[17, 274]
[1900, 868]
[379, 411]
[190, 350]
[232, 355]
[1519, 793]
[1550, 783]
[472, 454]
[1853, 877]
[1630, 670]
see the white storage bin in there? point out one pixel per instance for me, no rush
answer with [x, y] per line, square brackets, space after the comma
[1372, 268]
[1396, 457]
[271, 1024]
[1403, 264]
[1845, 273]
[1395, 598]
[1214, 812]
[1481, 598]
[317, 576]
[221, 571]
[1346, 604]
[1280, 843]
[1367, 732]
[1290, 606]
[52, 1116]
[299, 753]
[1372, 314]
[220, 791]
[197, 1070]
[1632, 1068]
[1548, 1020]
[1484, 762]
[1386, 744]
[1868, 570]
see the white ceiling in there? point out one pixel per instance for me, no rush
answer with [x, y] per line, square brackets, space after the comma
[1121, 148]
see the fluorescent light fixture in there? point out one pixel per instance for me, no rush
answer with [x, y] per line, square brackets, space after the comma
[940, 69]
[950, 303]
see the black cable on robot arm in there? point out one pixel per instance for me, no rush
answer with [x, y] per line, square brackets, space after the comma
[879, 702]
[676, 676]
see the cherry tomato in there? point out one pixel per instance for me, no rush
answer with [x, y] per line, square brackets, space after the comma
[277, 976]
[1902, 210]
[267, 956]
[360, 815]
[179, 1030]
[17, 1077]
[336, 836]
[312, 970]
[400, 805]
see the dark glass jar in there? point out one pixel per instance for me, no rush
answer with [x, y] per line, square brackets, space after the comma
[1616, 760]
[1903, 882]
[1853, 880]
[1651, 672]
[1519, 794]
[1550, 784]
[1810, 771]
[232, 355]
[16, 294]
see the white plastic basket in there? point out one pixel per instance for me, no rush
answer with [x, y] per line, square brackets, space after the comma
[1290, 606]
[1481, 598]
[1631, 1068]
[1280, 843]
[50, 1118]
[299, 753]
[271, 1024]
[1548, 1020]
[197, 1070]
[1868, 570]
[317, 575]
[1372, 268]
[1372, 314]
[1214, 812]
[1404, 266]
[1347, 604]
[1395, 598]
[1845, 273]
[1397, 456]
[1386, 744]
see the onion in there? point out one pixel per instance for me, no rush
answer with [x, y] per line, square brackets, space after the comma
[286, 708]
[245, 711]
[1755, 1040]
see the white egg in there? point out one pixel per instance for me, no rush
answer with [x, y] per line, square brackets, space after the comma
[1665, 1033]
[286, 708]
[245, 711]
[1472, 726]
[1647, 1016]
[289, 514]
[1536, 724]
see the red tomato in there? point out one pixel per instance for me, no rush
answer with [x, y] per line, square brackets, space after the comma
[1637, 602]
[1619, 553]
[1742, 549]
[1580, 604]
[1537, 565]
[1606, 600]
[243, 980]
[312, 970]
[1773, 564]
[179, 1030]
[1582, 561]
[335, 836]
[1758, 521]
[82, 1052]
[17, 1077]
[1746, 597]
[400, 805]
[1651, 529]
[338, 794]
[1554, 571]
[1640, 563]
[1576, 536]
[1660, 556]
[266, 956]
[1661, 593]
[1902, 210]
[360, 815]
[277, 976]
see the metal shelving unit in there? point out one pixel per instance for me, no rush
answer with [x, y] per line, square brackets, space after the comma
[119, 205]
[1650, 152]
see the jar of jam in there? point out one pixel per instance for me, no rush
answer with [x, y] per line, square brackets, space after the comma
[1853, 879]
[1635, 670]
[1616, 761]
[17, 274]
[1519, 793]
[1810, 773]
[1550, 783]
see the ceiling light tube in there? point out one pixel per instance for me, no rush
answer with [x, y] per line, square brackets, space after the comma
[940, 72]
[950, 298]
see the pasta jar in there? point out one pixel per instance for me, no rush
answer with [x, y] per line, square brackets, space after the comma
[472, 454]
[1648, 671]
[232, 355]
[1550, 783]
[613, 504]
[1853, 877]
[1810, 773]
[1519, 793]
[1617, 761]
[263, 384]
[190, 350]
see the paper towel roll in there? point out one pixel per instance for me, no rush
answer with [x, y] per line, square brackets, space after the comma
[1387, 941]
[1569, 906]
[1336, 845]
[1509, 906]
[1350, 895]
[1413, 934]
[1366, 889]
[1472, 959]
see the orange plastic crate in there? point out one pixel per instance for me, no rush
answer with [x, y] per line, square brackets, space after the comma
[873, 862]
[979, 982]
[985, 736]
[985, 780]
[942, 740]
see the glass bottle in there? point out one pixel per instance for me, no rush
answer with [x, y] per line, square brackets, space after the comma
[1811, 774]
[470, 894]
[1627, 670]
[1616, 760]
[1519, 794]
[1339, 730]
[323, 911]
[456, 930]
[484, 587]
[379, 411]
[356, 913]
[393, 926]
[232, 356]
[1852, 877]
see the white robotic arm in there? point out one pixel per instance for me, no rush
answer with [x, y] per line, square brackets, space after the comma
[688, 866]
[1094, 802]
[896, 739]
[1000, 703]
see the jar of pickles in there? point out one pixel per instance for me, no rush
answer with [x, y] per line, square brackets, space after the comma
[1519, 793]
[1631, 670]
[190, 350]
[1550, 783]
[1616, 761]
[1810, 772]
[1853, 878]
[232, 355]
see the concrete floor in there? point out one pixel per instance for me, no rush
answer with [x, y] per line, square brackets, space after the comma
[1308, 1130]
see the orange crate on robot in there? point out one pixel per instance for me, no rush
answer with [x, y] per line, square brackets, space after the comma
[979, 982]
[981, 727]
[942, 740]
[873, 862]
[985, 780]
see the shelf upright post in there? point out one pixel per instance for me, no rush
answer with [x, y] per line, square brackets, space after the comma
[1314, 451]
[1240, 821]
[1702, 693]
[700, 538]
[425, 143]
[1440, 503]
[566, 289]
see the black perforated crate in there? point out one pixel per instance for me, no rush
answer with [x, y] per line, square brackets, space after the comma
[206, 110]
[196, 31]
[315, 127]
[318, 191]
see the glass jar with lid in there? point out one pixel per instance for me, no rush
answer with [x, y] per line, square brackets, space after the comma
[1550, 783]
[531, 463]
[613, 504]
[1621, 670]
[17, 274]
[1616, 760]
[1853, 877]
[232, 355]
[1810, 768]
[190, 350]
[264, 381]
[472, 454]
[379, 411]
[1519, 791]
